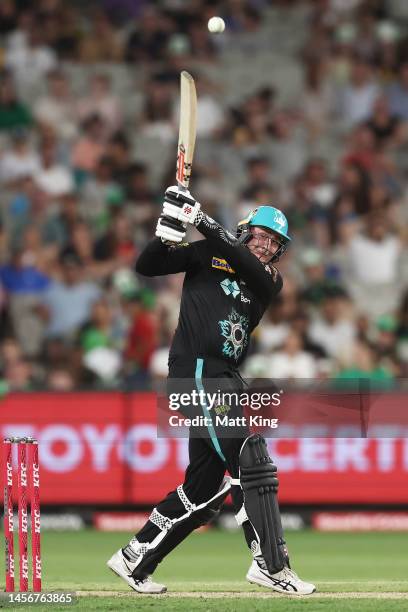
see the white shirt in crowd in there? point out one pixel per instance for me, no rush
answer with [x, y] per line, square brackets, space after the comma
[14, 166]
[299, 365]
[271, 335]
[210, 116]
[357, 102]
[375, 261]
[335, 338]
[158, 366]
[57, 113]
[30, 65]
[281, 365]
[55, 181]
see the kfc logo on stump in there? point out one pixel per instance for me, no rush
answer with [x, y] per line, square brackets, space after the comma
[37, 521]
[36, 475]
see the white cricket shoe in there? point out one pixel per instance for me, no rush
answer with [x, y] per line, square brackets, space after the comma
[286, 581]
[123, 568]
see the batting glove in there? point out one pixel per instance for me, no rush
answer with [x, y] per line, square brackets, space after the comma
[180, 205]
[170, 230]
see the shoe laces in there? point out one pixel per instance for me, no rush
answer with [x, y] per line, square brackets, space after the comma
[142, 580]
[289, 573]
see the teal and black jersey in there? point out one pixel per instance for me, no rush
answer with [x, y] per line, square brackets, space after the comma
[225, 293]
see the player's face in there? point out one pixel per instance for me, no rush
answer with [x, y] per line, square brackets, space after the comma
[263, 244]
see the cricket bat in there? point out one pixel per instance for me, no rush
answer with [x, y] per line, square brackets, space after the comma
[187, 130]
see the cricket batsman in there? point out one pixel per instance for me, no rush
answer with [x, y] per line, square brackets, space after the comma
[229, 282]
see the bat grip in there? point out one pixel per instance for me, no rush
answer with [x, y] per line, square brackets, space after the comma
[181, 188]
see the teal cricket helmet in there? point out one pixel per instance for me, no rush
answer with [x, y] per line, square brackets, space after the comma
[270, 218]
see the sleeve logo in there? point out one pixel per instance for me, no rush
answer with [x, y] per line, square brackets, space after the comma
[221, 264]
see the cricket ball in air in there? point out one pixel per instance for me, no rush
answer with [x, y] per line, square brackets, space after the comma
[216, 25]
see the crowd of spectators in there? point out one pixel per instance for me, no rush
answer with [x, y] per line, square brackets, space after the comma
[88, 127]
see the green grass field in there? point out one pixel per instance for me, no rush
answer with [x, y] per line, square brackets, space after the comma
[352, 572]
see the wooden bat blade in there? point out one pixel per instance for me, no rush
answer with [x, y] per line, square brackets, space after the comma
[187, 129]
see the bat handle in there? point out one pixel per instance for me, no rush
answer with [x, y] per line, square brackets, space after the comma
[181, 187]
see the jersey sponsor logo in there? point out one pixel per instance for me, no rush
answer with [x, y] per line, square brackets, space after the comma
[221, 264]
[179, 245]
[222, 409]
[230, 287]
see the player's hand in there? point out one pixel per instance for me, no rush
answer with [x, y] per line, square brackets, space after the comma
[180, 205]
[170, 230]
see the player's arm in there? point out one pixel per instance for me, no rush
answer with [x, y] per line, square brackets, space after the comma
[159, 258]
[260, 280]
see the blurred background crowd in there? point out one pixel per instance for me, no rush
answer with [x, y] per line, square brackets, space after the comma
[302, 104]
